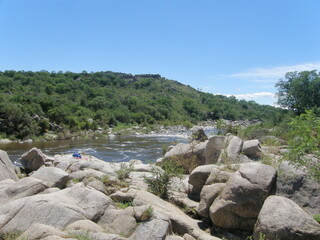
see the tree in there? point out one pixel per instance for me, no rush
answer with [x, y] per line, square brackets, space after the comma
[299, 91]
[304, 143]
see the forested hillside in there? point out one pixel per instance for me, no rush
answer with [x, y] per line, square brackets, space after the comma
[32, 103]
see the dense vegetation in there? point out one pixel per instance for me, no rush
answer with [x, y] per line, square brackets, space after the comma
[299, 91]
[31, 103]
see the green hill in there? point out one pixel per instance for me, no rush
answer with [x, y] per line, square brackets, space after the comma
[33, 102]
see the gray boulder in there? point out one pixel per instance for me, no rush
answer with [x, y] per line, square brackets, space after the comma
[22, 188]
[232, 149]
[84, 225]
[252, 148]
[119, 221]
[221, 173]
[52, 176]
[198, 178]
[57, 209]
[198, 134]
[241, 200]
[208, 194]
[214, 148]
[281, 218]
[6, 167]
[33, 159]
[152, 230]
[39, 231]
[189, 155]
[294, 184]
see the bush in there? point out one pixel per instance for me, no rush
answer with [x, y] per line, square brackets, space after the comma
[160, 182]
[304, 143]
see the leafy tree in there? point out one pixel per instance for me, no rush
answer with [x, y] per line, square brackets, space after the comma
[304, 143]
[299, 91]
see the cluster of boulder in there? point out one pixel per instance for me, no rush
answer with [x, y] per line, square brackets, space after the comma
[63, 197]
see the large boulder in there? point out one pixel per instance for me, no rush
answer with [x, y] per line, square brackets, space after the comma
[198, 134]
[24, 187]
[52, 176]
[119, 221]
[242, 198]
[188, 155]
[181, 223]
[6, 167]
[151, 230]
[280, 218]
[296, 185]
[33, 159]
[39, 231]
[214, 148]
[232, 150]
[252, 148]
[198, 178]
[208, 194]
[58, 209]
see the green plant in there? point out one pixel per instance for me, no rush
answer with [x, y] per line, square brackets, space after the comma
[304, 143]
[11, 236]
[148, 214]
[317, 217]
[123, 204]
[124, 171]
[161, 178]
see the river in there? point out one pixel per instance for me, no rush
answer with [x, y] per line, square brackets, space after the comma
[148, 147]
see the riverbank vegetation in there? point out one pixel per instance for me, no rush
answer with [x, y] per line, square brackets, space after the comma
[32, 103]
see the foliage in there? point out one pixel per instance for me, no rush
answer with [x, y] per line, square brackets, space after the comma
[124, 171]
[148, 214]
[299, 91]
[124, 204]
[11, 236]
[304, 143]
[33, 103]
[317, 217]
[161, 178]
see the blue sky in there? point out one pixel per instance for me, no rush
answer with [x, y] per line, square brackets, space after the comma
[229, 47]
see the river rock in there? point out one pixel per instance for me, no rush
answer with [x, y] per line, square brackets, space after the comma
[252, 148]
[174, 237]
[52, 176]
[84, 225]
[22, 188]
[6, 167]
[242, 198]
[214, 148]
[57, 209]
[181, 223]
[33, 159]
[39, 231]
[198, 178]
[281, 218]
[221, 173]
[208, 194]
[188, 155]
[151, 230]
[294, 184]
[232, 149]
[119, 221]
[198, 134]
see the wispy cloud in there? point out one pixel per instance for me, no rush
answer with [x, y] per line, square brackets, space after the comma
[273, 74]
[253, 96]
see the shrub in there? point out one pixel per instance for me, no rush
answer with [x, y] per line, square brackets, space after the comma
[304, 143]
[124, 171]
[147, 214]
[159, 183]
[317, 217]
[124, 204]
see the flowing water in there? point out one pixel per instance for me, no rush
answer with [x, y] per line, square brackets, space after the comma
[147, 148]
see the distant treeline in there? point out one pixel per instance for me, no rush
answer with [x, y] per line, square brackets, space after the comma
[31, 103]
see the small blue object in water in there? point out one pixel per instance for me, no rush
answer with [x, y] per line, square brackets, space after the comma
[77, 155]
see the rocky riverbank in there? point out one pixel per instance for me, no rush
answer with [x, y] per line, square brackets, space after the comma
[229, 194]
